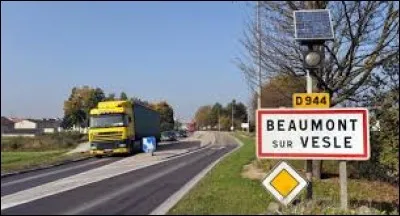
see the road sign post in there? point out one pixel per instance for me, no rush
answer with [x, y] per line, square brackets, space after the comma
[310, 100]
[309, 170]
[244, 125]
[343, 184]
[312, 27]
[315, 134]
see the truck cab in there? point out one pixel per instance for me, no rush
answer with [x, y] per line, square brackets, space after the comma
[111, 128]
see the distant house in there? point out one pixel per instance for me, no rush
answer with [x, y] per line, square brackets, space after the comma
[15, 119]
[48, 125]
[79, 129]
[43, 125]
[25, 124]
[51, 125]
[6, 125]
[30, 127]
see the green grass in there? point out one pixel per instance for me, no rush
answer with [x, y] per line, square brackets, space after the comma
[16, 161]
[20, 153]
[225, 191]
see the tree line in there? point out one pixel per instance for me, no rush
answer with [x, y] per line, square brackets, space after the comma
[83, 99]
[214, 117]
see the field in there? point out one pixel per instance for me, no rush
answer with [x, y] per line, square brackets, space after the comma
[20, 153]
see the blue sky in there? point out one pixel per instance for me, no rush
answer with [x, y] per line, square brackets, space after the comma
[181, 52]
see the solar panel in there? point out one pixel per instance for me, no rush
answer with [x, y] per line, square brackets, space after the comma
[311, 25]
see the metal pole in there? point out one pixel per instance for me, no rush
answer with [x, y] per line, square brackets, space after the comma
[248, 121]
[259, 56]
[232, 115]
[309, 82]
[309, 162]
[219, 123]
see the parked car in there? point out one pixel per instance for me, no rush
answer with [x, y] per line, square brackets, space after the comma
[183, 133]
[180, 133]
[177, 134]
[168, 136]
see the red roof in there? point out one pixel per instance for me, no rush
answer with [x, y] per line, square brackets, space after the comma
[15, 120]
[5, 121]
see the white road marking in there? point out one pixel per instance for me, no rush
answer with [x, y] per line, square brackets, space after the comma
[50, 173]
[218, 148]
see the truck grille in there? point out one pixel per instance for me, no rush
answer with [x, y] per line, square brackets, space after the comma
[106, 136]
[102, 146]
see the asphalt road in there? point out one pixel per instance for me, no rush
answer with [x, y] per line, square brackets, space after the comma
[19, 182]
[136, 192]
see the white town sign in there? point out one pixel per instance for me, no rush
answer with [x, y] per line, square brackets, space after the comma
[323, 134]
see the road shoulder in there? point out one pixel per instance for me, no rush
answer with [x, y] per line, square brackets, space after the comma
[168, 204]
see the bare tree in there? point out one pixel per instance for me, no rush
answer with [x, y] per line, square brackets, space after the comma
[366, 35]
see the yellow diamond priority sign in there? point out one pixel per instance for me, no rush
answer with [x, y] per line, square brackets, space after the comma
[284, 183]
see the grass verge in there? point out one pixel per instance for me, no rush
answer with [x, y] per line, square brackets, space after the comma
[225, 191]
[17, 161]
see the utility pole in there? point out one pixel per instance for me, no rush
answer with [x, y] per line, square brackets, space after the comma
[219, 123]
[259, 56]
[233, 103]
[248, 120]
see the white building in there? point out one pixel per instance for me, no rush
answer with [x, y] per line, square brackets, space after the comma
[25, 124]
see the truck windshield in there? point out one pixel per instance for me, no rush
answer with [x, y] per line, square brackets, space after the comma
[108, 120]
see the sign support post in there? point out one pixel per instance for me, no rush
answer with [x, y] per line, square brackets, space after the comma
[309, 179]
[339, 134]
[343, 184]
[309, 162]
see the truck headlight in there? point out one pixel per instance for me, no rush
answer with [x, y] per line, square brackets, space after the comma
[122, 145]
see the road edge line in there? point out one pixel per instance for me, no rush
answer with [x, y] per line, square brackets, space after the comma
[171, 201]
[44, 167]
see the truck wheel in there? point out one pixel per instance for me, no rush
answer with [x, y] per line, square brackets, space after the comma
[132, 147]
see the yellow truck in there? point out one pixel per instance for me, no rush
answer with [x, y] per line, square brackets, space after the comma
[117, 127]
